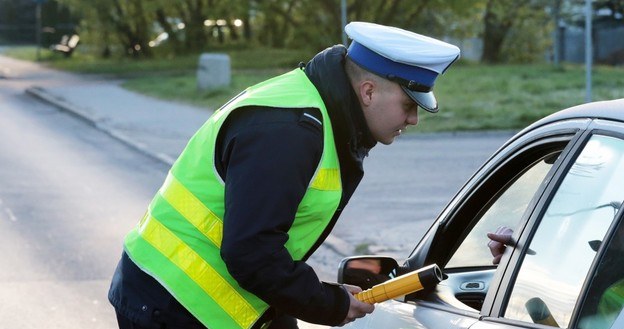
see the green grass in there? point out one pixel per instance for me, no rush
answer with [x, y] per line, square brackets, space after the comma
[81, 62]
[183, 88]
[480, 97]
[471, 96]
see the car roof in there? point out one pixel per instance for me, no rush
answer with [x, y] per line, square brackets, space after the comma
[609, 110]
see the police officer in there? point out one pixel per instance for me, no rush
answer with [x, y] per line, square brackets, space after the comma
[258, 188]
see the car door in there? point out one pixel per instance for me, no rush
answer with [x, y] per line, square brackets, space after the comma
[510, 183]
[565, 270]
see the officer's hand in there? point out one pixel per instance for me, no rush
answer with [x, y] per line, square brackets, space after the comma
[498, 241]
[357, 309]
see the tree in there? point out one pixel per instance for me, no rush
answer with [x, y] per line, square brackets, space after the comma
[195, 25]
[503, 18]
[316, 24]
[276, 20]
[132, 21]
[124, 24]
[193, 15]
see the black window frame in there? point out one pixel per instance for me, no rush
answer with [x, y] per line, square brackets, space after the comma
[503, 167]
[522, 151]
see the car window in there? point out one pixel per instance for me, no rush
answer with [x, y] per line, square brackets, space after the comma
[560, 253]
[605, 297]
[507, 210]
[619, 321]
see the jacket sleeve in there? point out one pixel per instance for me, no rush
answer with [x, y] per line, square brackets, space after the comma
[267, 158]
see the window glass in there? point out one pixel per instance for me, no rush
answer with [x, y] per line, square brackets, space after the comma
[507, 210]
[605, 297]
[560, 253]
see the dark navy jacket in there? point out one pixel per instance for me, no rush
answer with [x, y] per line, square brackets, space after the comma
[256, 148]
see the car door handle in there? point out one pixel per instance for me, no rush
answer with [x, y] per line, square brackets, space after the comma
[472, 285]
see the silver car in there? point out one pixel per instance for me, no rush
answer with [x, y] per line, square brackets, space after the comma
[559, 185]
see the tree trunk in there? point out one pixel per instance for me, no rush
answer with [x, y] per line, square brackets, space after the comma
[161, 18]
[196, 38]
[495, 31]
[142, 29]
[134, 40]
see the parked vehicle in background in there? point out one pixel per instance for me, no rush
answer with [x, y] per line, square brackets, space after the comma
[559, 184]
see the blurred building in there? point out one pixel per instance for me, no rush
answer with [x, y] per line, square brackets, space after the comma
[607, 36]
[607, 33]
[18, 22]
[608, 47]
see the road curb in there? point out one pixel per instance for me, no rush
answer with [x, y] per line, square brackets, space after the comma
[62, 104]
[95, 121]
[339, 246]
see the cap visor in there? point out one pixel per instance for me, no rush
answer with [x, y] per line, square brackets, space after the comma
[425, 100]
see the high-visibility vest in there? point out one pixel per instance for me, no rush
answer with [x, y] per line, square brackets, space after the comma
[179, 238]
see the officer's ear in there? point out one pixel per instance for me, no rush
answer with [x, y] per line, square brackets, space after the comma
[365, 90]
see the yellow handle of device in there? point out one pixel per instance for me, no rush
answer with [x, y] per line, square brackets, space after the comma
[425, 277]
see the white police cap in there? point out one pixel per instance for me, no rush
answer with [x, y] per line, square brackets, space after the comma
[412, 60]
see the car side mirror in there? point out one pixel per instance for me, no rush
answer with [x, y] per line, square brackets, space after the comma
[367, 271]
[381, 279]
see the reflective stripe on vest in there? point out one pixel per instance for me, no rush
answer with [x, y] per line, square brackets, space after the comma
[179, 239]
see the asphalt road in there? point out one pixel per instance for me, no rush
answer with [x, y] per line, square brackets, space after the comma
[68, 194]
